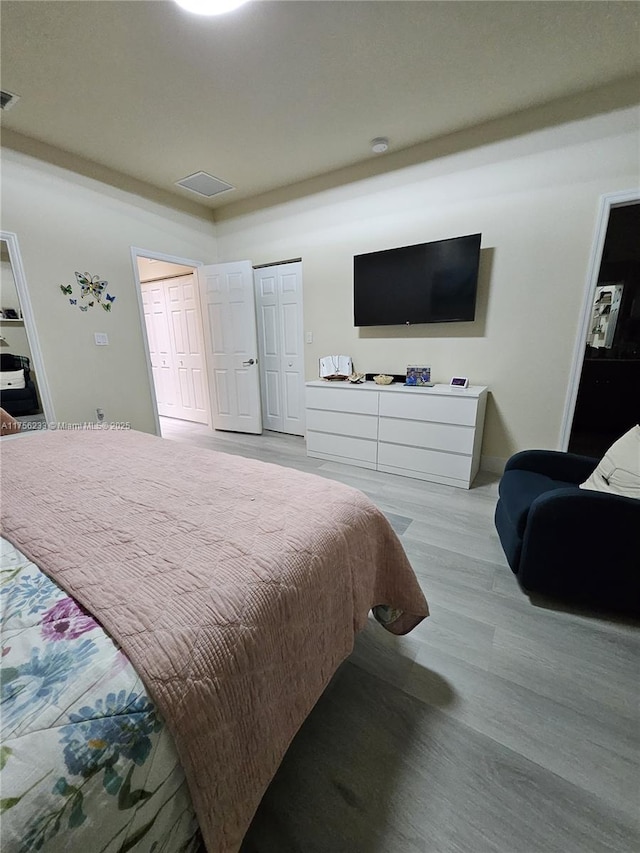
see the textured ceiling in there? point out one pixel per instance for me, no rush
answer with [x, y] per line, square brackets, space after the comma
[279, 92]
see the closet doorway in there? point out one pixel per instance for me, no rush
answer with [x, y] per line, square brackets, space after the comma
[173, 322]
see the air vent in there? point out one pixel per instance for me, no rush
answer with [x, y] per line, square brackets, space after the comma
[204, 184]
[7, 100]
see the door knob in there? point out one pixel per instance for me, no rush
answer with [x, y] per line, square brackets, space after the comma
[251, 361]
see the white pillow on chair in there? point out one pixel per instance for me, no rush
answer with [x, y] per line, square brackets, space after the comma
[618, 471]
[12, 379]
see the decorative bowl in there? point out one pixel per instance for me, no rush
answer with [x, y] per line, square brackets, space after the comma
[383, 379]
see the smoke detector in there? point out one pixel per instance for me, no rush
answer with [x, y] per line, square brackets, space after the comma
[379, 145]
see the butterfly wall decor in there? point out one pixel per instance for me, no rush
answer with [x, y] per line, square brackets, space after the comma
[91, 285]
[92, 288]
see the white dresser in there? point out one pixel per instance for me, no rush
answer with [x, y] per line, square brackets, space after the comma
[427, 433]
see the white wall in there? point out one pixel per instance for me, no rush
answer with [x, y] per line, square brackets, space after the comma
[67, 222]
[533, 197]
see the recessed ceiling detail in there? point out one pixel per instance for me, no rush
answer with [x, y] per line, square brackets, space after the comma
[7, 100]
[204, 184]
[182, 97]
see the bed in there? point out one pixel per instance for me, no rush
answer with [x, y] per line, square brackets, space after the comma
[170, 617]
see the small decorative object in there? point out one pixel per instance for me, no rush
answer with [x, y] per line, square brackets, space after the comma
[92, 288]
[459, 382]
[10, 314]
[418, 376]
[335, 367]
[383, 379]
[357, 378]
[91, 285]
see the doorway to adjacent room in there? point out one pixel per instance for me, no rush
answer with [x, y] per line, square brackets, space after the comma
[224, 342]
[174, 333]
[24, 391]
[606, 398]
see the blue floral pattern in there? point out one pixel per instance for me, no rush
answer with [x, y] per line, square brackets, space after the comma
[86, 762]
[99, 736]
[28, 688]
[30, 592]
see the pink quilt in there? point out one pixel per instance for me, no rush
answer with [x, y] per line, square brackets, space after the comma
[235, 588]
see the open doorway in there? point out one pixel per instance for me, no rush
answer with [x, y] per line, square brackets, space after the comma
[219, 325]
[173, 324]
[607, 403]
[24, 392]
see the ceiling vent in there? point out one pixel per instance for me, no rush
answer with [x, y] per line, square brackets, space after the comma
[204, 184]
[7, 100]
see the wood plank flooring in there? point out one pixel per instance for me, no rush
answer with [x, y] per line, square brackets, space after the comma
[499, 725]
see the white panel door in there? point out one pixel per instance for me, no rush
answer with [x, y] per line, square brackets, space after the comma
[156, 321]
[228, 309]
[185, 330]
[281, 342]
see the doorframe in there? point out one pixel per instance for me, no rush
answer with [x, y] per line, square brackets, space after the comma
[607, 203]
[137, 252]
[31, 331]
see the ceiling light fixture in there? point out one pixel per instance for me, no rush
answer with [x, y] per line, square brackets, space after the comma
[379, 145]
[210, 7]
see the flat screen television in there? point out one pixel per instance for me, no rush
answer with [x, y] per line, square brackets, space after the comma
[426, 283]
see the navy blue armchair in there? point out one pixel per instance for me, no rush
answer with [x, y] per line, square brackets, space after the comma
[565, 542]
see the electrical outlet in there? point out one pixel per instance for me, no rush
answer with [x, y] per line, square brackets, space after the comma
[100, 415]
[101, 339]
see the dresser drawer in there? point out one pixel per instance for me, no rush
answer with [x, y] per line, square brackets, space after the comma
[429, 407]
[343, 423]
[357, 400]
[419, 460]
[344, 446]
[438, 436]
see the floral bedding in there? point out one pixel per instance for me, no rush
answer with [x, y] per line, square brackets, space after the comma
[86, 762]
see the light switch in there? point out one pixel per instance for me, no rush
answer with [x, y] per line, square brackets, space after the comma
[101, 339]
[309, 337]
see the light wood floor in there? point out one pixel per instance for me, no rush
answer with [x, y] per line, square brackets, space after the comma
[497, 726]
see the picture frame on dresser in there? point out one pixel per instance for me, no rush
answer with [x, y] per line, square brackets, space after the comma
[418, 376]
